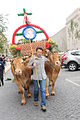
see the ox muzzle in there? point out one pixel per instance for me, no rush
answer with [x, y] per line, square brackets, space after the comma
[17, 71]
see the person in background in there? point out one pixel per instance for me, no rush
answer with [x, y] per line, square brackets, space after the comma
[4, 62]
[1, 71]
[38, 62]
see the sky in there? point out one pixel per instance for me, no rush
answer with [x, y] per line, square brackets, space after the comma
[49, 14]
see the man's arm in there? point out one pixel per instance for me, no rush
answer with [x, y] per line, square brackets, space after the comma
[31, 63]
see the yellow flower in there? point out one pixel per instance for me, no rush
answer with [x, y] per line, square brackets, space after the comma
[12, 46]
[50, 41]
[9, 46]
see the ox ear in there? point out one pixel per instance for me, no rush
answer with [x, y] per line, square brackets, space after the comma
[26, 62]
[11, 60]
[24, 59]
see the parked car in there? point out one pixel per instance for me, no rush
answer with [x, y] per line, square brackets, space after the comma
[71, 60]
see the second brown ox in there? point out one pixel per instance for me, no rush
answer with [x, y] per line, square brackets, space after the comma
[52, 69]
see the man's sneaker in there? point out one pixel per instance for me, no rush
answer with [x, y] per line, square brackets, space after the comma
[36, 104]
[43, 108]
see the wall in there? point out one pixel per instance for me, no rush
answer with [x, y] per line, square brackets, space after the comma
[60, 39]
[73, 30]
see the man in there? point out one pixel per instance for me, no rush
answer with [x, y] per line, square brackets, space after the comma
[37, 63]
[1, 71]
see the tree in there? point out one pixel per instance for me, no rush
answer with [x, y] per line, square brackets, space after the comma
[74, 30]
[3, 28]
[3, 41]
[3, 22]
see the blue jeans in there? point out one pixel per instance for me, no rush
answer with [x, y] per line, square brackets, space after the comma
[42, 89]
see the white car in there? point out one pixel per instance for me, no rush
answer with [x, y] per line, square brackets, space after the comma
[71, 60]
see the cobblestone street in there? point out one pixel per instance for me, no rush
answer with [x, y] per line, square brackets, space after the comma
[65, 105]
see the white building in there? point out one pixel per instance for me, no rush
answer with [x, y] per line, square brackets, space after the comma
[60, 39]
[69, 37]
[73, 30]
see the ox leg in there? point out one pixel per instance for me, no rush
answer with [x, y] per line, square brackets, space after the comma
[15, 79]
[50, 82]
[47, 92]
[21, 90]
[28, 92]
[52, 92]
[53, 85]
[26, 86]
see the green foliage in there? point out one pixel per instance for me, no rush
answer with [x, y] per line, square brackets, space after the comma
[3, 28]
[3, 22]
[74, 30]
[1, 47]
[53, 46]
[3, 41]
[22, 41]
[72, 26]
[15, 52]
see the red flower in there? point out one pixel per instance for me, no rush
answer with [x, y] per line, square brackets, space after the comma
[18, 48]
[47, 45]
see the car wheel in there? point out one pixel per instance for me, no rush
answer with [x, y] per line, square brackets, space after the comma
[72, 66]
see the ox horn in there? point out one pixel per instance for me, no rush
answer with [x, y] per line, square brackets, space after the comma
[25, 57]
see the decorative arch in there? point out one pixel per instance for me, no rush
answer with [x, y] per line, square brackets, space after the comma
[22, 26]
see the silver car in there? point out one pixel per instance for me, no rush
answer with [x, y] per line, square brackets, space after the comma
[71, 60]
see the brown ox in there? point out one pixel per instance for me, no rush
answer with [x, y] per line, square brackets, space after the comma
[52, 69]
[21, 73]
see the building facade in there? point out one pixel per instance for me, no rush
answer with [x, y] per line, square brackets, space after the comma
[60, 39]
[69, 37]
[73, 30]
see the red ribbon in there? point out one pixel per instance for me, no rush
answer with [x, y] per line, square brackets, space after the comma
[47, 45]
[18, 48]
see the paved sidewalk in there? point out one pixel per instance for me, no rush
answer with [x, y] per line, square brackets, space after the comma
[65, 105]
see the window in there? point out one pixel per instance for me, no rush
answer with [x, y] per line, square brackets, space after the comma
[78, 53]
[73, 53]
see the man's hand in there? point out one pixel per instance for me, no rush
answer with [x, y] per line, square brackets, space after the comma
[34, 65]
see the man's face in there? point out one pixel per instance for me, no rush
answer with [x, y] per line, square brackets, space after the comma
[39, 52]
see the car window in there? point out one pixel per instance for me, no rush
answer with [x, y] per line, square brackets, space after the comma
[78, 53]
[73, 53]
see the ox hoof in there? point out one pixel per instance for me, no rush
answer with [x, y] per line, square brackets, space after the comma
[29, 95]
[50, 84]
[23, 103]
[53, 94]
[19, 92]
[47, 97]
